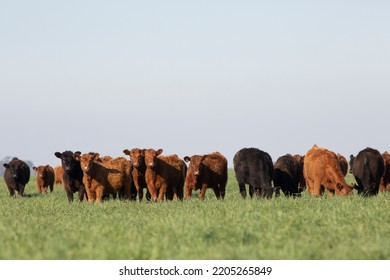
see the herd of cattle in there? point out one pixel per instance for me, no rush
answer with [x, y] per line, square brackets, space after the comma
[97, 178]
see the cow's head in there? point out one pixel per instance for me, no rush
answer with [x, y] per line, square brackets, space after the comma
[14, 170]
[87, 160]
[151, 157]
[137, 156]
[68, 160]
[344, 189]
[42, 171]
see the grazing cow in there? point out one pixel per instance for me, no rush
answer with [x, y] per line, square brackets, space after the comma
[322, 171]
[105, 176]
[16, 176]
[254, 167]
[137, 159]
[164, 175]
[73, 175]
[343, 164]
[367, 168]
[385, 181]
[45, 178]
[287, 176]
[207, 171]
[58, 174]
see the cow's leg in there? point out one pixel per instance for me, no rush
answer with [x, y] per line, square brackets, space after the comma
[309, 186]
[217, 191]
[153, 192]
[202, 192]
[147, 196]
[161, 192]
[188, 192]
[21, 190]
[139, 190]
[316, 188]
[99, 193]
[242, 190]
[69, 194]
[180, 190]
[51, 187]
[11, 192]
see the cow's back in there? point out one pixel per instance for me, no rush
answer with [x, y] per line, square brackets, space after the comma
[287, 174]
[368, 169]
[252, 163]
[217, 163]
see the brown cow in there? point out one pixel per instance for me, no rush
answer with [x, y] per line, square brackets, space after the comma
[45, 178]
[58, 174]
[105, 177]
[207, 171]
[137, 159]
[164, 175]
[343, 164]
[322, 171]
[385, 181]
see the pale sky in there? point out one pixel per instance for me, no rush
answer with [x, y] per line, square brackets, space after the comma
[193, 77]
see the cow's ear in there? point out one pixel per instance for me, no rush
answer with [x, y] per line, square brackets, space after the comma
[6, 165]
[159, 152]
[187, 158]
[126, 152]
[96, 156]
[35, 168]
[58, 154]
[77, 153]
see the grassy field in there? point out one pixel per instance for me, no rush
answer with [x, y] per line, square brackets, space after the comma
[47, 227]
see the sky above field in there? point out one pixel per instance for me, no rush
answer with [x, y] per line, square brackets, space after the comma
[193, 77]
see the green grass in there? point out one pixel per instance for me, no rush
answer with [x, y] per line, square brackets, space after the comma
[48, 227]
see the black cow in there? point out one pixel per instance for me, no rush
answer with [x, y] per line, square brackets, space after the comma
[254, 167]
[73, 174]
[288, 174]
[16, 176]
[367, 168]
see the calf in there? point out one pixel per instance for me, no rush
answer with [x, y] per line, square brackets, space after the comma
[385, 181]
[207, 171]
[164, 175]
[137, 159]
[288, 174]
[58, 174]
[73, 175]
[45, 178]
[254, 167]
[322, 171]
[367, 168]
[103, 177]
[16, 176]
